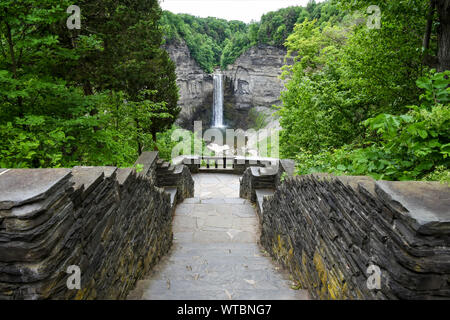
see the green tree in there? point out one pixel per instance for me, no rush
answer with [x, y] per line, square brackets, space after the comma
[205, 37]
[131, 59]
[313, 116]
[352, 105]
[213, 42]
[62, 92]
[410, 146]
[427, 18]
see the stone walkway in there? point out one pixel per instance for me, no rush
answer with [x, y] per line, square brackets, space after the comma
[215, 255]
[212, 185]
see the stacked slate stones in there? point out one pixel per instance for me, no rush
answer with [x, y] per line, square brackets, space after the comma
[127, 229]
[171, 176]
[38, 232]
[335, 234]
[114, 224]
[264, 178]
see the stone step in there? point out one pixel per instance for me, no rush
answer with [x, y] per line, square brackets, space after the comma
[199, 200]
[249, 285]
[225, 294]
[214, 263]
[215, 254]
[254, 276]
[216, 235]
[230, 283]
[216, 249]
[165, 165]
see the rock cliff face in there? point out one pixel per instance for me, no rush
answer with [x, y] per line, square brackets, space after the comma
[252, 82]
[254, 77]
[253, 86]
[196, 86]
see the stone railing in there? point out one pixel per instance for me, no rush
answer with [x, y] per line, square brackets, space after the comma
[258, 182]
[114, 224]
[357, 238]
[227, 164]
[176, 180]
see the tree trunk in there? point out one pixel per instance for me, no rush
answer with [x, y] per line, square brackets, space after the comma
[139, 146]
[155, 147]
[87, 88]
[427, 37]
[443, 10]
[137, 137]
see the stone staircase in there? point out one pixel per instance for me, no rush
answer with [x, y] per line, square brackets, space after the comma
[166, 173]
[216, 256]
[175, 180]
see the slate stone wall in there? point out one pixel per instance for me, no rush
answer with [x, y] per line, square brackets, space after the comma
[177, 176]
[268, 177]
[328, 230]
[115, 224]
[253, 179]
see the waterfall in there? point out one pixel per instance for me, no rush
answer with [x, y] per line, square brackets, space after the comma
[218, 101]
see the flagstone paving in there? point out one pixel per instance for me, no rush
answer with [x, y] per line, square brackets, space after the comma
[223, 185]
[216, 254]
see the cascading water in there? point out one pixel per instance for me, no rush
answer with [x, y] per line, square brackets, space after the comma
[218, 101]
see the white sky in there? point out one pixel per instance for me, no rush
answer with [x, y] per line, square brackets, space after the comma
[243, 10]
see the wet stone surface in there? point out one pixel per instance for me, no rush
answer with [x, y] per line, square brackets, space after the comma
[216, 254]
[216, 186]
[21, 186]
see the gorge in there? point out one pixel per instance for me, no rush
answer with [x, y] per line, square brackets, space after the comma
[251, 83]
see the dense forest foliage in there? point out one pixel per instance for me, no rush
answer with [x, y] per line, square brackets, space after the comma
[94, 96]
[217, 43]
[358, 100]
[367, 101]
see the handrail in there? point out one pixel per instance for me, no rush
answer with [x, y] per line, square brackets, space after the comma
[223, 162]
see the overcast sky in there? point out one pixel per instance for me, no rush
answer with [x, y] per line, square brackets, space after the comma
[244, 10]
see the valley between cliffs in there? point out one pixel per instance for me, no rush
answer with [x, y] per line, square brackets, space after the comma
[252, 86]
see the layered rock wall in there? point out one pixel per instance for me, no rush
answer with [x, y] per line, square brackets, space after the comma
[329, 230]
[196, 86]
[254, 77]
[253, 86]
[114, 224]
[252, 82]
[335, 233]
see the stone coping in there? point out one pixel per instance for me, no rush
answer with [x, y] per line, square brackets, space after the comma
[90, 176]
[427, 203]
[22, 186]
[147, 159]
